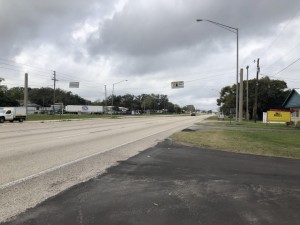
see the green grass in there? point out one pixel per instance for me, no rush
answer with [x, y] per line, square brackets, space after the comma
[42, 117]
[268, 142]
[245, 124]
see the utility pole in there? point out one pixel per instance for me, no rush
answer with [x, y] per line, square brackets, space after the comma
[54, 84]
[112, 98]
[256, 90]
[241, 96]
[26, 92]
[105, 110]
[247, 100]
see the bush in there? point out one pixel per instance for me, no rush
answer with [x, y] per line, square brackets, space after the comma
[298, 124]
[291, 123]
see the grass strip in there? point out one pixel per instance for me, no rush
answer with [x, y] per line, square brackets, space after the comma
[37, 117]
[260, 142]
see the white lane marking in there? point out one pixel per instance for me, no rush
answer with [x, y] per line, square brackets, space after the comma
[9, 184]
[99, 131]
[74, 135]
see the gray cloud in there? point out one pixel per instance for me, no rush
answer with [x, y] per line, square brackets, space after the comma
[34, 23]
[147, 36]
[152, 40]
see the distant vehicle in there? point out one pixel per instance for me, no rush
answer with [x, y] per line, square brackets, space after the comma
[84, 109]
[193, 114]
[12, 114]
[221, 116]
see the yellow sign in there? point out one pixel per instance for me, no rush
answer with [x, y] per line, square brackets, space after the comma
[279, 116]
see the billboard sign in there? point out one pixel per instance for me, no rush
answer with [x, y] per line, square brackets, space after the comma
[177, 84]
[278, 116]
[74, 85]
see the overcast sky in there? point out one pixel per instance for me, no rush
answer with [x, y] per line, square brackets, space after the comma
[150, 43]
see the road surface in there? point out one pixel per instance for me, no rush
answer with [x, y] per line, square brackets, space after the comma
[173, 184]
[39, 160]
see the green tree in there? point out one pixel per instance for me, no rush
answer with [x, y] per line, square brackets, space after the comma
[149, 102]
[128, 101]
[271, 94]
[6, 100]
[44, 97]
[227, 99]
[189, 108]
[16, 93]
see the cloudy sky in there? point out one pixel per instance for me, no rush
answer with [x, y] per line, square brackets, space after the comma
[150, 43]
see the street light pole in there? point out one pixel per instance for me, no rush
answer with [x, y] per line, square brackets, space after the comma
[112, 97]
[236, 31]
[247, 103]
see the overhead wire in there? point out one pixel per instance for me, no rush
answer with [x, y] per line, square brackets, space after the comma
[283, 29]
[37, 71]
[291, 19]
[66, 77]
[287, 66]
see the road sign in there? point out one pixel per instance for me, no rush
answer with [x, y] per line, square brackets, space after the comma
[177, 84]
[74, 85]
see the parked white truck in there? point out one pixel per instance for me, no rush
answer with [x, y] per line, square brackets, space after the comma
[12, 114]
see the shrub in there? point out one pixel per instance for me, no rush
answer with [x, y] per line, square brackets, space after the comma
[291, 123]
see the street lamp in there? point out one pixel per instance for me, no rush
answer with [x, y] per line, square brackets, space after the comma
[113, 89]
[236, 31]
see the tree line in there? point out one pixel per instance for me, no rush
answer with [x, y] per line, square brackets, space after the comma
[44, 98]
[271, 95]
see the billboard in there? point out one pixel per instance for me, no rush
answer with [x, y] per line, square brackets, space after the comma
[278, 116]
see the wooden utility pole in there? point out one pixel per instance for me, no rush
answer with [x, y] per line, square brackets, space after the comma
[54, 80]
[256, 90]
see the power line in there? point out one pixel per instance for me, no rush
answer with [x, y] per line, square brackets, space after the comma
[23, 64]
[292, 18]
[283, 29]
[287, 67]
[35, 68]
[294, 48]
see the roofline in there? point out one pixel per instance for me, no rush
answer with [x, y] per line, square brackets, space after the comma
[297, 90]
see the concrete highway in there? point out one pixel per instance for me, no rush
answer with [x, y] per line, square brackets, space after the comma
[39, 160]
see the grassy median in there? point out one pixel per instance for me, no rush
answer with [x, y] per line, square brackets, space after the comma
[275, 140]
[64, 117]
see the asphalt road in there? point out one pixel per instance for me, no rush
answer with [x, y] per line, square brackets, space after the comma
[173, 184]
[39, 160]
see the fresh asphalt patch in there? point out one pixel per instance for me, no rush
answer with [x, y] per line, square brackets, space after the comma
[175, 184]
